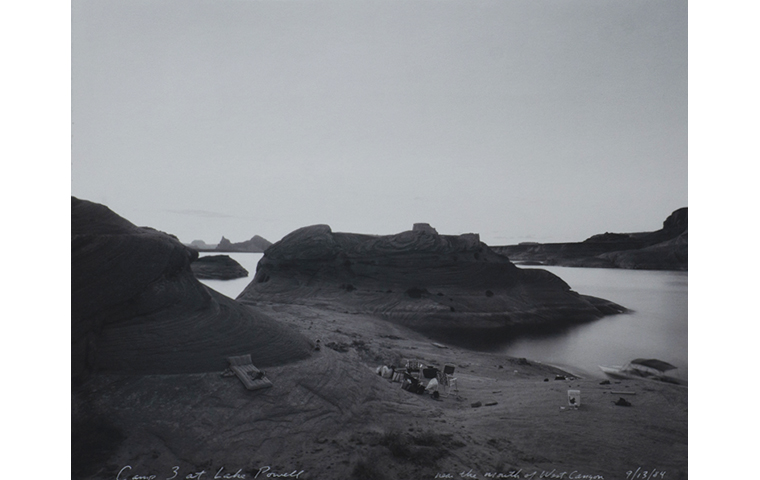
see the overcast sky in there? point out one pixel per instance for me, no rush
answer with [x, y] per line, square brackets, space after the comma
[543, 120]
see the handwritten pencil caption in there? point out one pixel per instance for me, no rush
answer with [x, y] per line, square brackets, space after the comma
[127, 473]
[638, 474]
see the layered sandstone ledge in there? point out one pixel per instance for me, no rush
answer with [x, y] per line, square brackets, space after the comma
[430, 282]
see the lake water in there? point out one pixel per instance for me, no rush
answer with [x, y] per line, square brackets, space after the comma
[233, 288]
[657, 327]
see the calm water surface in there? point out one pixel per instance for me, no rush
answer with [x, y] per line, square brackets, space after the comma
[657, 328]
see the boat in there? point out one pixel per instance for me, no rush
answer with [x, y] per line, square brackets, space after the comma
[643, 368]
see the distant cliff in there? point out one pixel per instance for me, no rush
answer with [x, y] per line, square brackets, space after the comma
[256, 244]
[137, 308]
[664, 249]
[430, 282]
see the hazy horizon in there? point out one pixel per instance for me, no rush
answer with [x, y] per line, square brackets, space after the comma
[517, 120]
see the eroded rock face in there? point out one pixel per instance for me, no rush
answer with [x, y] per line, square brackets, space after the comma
[136, 306]
[418, 278]
[218, 267]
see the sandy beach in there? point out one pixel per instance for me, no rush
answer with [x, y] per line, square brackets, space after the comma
[332, 417]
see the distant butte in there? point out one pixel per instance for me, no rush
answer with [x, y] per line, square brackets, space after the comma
[438, 284]
[663, 249]
[256, 244]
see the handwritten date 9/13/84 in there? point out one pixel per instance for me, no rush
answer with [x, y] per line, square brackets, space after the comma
[641, 474]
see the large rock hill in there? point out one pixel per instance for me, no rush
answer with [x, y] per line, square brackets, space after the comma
[438, 284]
[136, 306]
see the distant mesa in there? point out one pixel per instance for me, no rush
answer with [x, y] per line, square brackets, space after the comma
[217, 267]
[664, 249]
[137, 308]
[438, 284]
[201, 245]
[256, 244]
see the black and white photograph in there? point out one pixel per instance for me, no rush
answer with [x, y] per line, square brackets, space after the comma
[379, 239]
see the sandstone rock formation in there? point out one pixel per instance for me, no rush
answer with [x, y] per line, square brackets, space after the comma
[136, 306]
[218, 267]
[433, 283]
[664, 249]
[256, 244]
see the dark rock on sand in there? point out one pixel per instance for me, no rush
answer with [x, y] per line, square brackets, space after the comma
[256, 244]
[433, 283]
[136, 306]
[664, 249]
[218, 267]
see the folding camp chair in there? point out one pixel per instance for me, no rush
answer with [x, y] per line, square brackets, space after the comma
[447, 380]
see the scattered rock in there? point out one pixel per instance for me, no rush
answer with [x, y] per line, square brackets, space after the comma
[622, 402]
[476, 404]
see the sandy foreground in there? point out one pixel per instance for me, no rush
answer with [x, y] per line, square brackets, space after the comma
[332, 417]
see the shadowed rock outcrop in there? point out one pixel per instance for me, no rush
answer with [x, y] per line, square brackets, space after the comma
[430, 282]
[664, 249]
[136, 306]
[218, 267]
